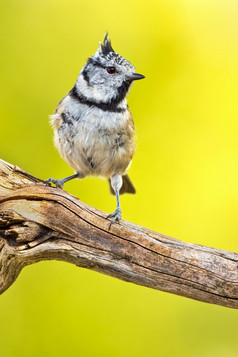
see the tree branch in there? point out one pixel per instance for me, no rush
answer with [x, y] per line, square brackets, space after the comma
[38, 222]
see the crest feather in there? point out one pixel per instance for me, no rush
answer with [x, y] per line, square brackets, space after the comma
[106, 47]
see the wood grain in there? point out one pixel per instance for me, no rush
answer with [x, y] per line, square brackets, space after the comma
[38, 222]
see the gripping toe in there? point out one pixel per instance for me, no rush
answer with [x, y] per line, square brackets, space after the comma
[116, 216]
[57, 183]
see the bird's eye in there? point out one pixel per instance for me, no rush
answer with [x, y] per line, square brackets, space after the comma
[111, 70]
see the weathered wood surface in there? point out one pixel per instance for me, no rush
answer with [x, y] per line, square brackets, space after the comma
[38, 222]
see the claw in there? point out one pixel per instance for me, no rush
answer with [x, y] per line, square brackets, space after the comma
[57, 183]
[116, 216]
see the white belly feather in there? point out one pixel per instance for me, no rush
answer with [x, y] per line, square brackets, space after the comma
[94, 142]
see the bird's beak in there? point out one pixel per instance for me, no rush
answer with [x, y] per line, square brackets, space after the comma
[136, 76]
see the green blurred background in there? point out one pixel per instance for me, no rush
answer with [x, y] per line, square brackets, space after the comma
[185, 168]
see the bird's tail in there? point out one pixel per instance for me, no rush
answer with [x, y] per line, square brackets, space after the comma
[127, 186]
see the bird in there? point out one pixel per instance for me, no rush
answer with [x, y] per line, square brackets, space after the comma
[93, 126]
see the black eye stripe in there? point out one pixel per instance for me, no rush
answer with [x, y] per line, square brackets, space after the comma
[95, 63]
[85, 75]
[99, 65]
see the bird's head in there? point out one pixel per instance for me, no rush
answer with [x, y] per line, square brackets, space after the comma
[107, 76]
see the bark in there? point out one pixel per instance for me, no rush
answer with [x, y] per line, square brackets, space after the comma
[38, 222]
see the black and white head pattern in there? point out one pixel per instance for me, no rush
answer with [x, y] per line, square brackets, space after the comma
[106, 77]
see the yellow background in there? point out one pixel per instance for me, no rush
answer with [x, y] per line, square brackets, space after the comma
[185, 168]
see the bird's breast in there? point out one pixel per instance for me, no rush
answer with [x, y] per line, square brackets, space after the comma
[94, 141]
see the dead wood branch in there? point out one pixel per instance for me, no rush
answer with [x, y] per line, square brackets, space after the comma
[38, 222]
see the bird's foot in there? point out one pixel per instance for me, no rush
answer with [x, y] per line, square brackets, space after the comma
[57, 183]
[116, 216]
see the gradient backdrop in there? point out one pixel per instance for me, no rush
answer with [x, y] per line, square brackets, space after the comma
[185, 168]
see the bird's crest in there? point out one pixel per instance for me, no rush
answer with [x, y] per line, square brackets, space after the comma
[106, 47]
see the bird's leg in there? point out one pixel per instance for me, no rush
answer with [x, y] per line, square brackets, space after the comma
[116, 182]
[60, 183]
